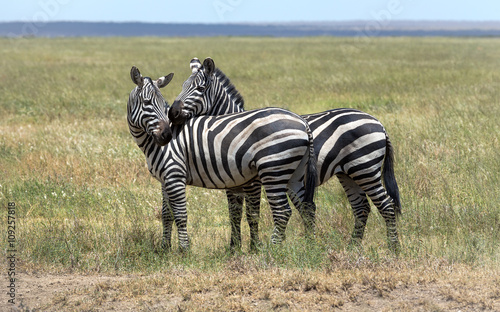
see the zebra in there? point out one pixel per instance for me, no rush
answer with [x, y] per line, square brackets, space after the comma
[349, 144]
[271, 145]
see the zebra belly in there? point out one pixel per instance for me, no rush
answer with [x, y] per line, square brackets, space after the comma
[215, 180]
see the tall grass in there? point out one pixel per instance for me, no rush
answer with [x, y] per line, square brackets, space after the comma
[86, 201]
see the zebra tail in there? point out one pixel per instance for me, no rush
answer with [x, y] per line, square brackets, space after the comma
[389, 178]
[311, 173]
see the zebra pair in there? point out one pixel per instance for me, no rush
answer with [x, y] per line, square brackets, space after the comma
[349, 144]
[240, 152]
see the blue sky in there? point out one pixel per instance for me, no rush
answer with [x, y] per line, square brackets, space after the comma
[235, 11]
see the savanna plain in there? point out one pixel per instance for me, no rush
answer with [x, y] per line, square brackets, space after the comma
[87, 233]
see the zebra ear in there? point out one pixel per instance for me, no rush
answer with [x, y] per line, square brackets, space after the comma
[195, 65]
[209, 66]
[136, 76]
[164, 81]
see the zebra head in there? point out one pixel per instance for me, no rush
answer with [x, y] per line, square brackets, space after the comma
[196, 97]
[146, 108]
[208, 91]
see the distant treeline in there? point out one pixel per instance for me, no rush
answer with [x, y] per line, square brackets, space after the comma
[339, 29]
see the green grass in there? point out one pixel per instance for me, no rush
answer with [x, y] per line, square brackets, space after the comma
[86, 201]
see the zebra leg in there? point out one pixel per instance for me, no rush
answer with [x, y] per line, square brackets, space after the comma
[360, 207]
[281, 211]
[252, 199]
[177, 194]
[307, 211]
[235, 205]
[385, 206]
[167, 217]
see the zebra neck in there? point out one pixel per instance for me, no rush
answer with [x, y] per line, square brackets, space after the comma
[226, 99]
[224, 105]
[154, 154]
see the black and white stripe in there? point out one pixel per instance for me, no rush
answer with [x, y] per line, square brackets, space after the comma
[349, 144]
[272, 146]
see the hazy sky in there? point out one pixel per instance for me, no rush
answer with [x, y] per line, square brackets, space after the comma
[234, 11]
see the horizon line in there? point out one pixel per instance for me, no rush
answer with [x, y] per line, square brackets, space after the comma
[266, 22]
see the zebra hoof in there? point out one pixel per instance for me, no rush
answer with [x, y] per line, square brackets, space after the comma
[184, 250]
[395, 247]
[184, 247]
[255, 246]
[277, 238]
[310, 233]
[166, 245]
[234, 248]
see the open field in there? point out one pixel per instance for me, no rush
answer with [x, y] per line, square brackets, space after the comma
[87, 236]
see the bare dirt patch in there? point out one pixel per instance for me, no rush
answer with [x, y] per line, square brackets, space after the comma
[240, 288]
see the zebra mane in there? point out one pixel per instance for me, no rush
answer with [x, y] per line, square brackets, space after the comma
[234, 94]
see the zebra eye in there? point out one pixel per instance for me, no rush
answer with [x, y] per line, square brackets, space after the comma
[200, 88]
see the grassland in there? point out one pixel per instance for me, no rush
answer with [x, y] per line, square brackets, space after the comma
[86, 204]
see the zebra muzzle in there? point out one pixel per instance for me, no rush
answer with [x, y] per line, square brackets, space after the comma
[176, 115]
[163, 134]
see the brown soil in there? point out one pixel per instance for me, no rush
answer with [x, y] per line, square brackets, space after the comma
[244, 289]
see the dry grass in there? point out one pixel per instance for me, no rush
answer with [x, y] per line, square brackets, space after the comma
[349, 283]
